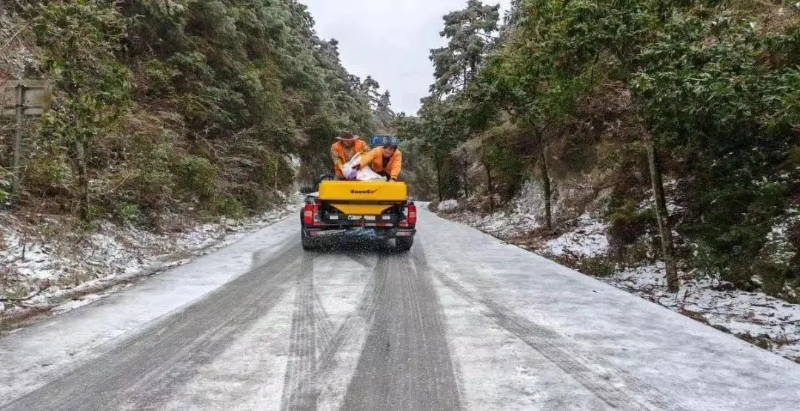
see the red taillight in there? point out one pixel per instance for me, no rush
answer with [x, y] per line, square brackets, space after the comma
[309, 210]
[411, 215]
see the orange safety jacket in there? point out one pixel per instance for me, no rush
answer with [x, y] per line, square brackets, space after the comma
[341, 155]
[376, 161]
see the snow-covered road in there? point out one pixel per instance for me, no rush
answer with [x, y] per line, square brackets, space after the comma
[462, 321]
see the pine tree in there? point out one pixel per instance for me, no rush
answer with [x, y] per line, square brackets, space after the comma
[469, 33]
[384, 115]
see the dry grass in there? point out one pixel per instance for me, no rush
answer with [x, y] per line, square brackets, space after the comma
[770, 16]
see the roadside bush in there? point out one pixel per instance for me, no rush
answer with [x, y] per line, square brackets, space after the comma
[777, 266]
[773, 277]
[277, 173]
[627, 226]
[154, 186]
[734, 229]
[197, 175]
[793, 158]
[129, 212]
[793, 236]
[228, 206]
[47, 173]
[736, 270]
[509, 169]
[256, 199]
[598, 266]
[5, 185]
[157, 79]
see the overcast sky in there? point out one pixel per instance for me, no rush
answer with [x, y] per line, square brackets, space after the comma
[388, 39]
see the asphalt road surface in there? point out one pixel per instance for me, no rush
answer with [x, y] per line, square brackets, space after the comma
[462, 321]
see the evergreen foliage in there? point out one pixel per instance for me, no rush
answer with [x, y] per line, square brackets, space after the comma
[710, 86]
[168, 102]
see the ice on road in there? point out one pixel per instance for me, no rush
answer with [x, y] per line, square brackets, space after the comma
[463, 321]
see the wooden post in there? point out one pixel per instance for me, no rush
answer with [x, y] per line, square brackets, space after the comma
[20, 98]
[17, 145]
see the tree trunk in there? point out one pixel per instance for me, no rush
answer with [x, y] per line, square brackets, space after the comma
[662, 216]
[473, 67]
[548, 212]
[465, 177]
[438, 164]
[489, 185]
[83, 179]
[277, 168]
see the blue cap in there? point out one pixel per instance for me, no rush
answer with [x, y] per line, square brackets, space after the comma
[384, 140]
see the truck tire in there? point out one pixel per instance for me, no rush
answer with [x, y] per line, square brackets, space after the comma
[308, 244]
[404, 243]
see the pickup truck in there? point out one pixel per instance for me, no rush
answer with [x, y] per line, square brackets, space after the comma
[379, 211]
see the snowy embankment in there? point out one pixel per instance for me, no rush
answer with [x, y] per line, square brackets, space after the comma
[46, 266]
[768, 322]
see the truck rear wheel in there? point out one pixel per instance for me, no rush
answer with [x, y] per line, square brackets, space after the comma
[308, 243]
[404, 243]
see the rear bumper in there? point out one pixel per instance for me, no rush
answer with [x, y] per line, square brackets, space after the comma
[376, 233]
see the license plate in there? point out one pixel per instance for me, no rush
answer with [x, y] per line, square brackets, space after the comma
[363, 232]
[361, 217]
[325, 233]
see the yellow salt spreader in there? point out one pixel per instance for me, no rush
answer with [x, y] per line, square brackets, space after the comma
[369, 210]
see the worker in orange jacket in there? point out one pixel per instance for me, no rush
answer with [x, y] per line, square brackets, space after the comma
[343, 151]
[386, 159]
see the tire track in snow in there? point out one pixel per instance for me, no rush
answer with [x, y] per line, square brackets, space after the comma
[308, 383]
[359, 257]
[557, 349]
[323, 321]
[311, 330]
[405, 362]
[142, 372]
